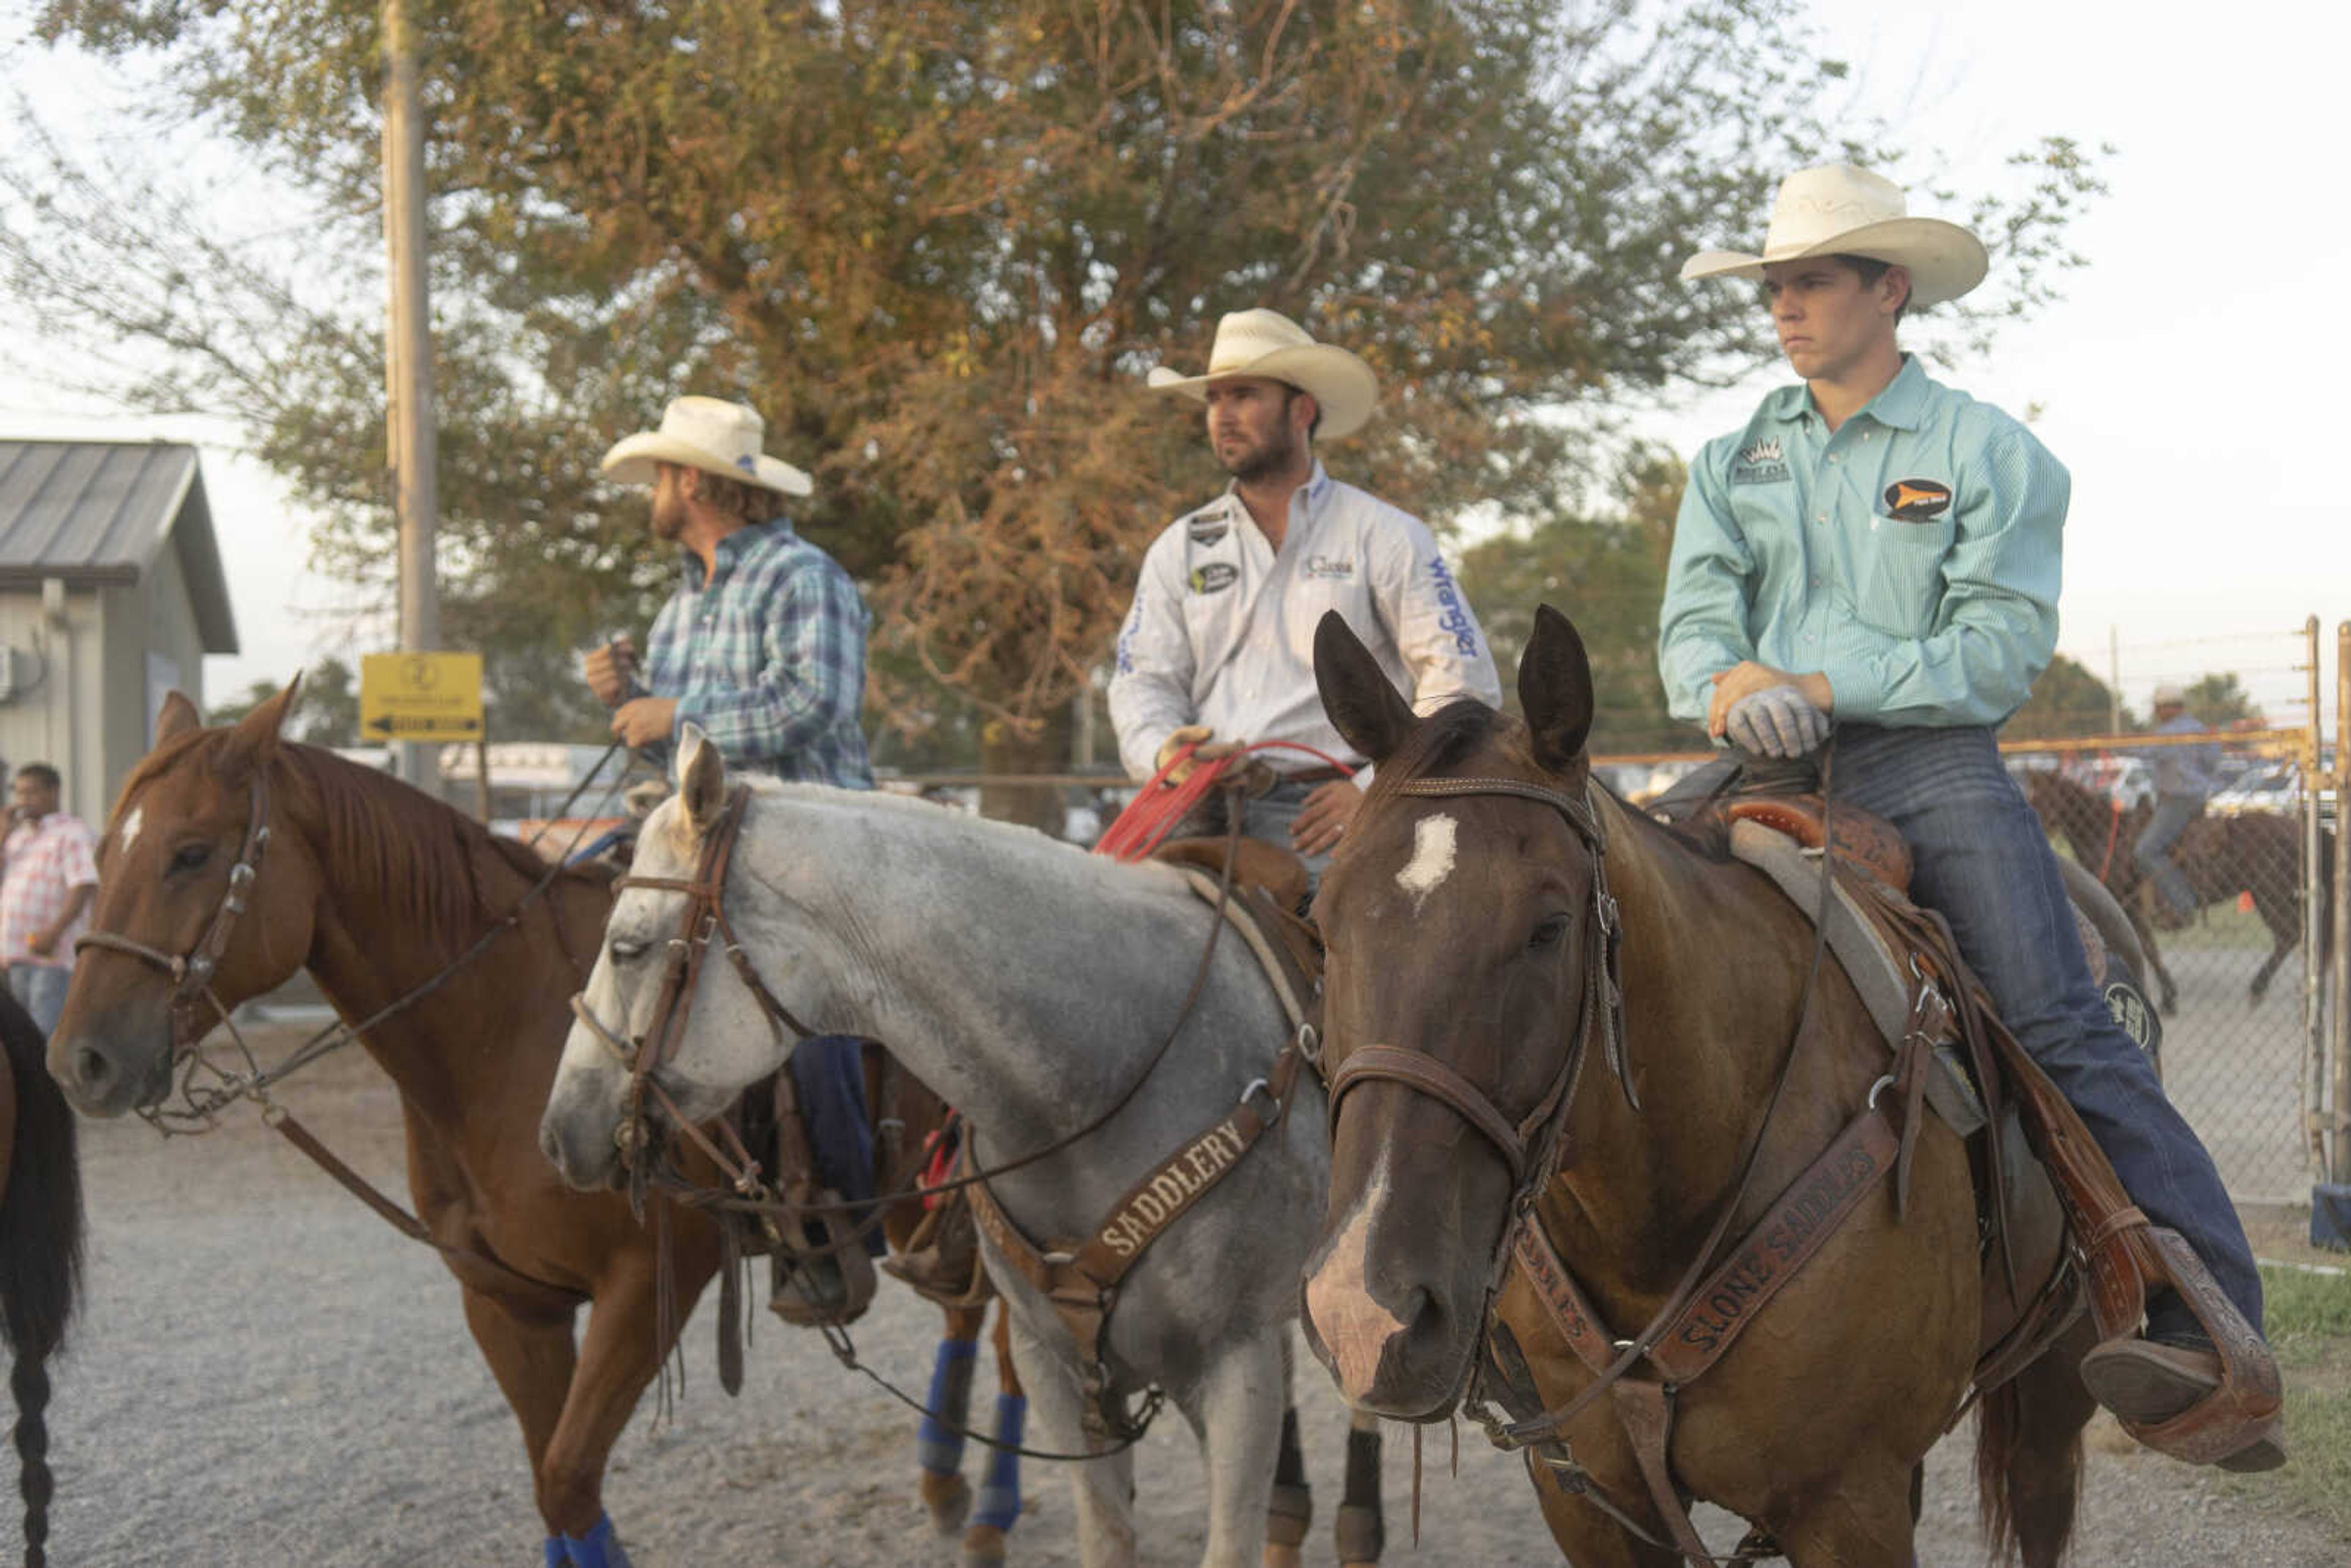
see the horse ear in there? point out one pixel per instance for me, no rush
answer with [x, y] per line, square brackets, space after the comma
[1555, 691]
[253, 743]
[701, 779]
[1363, 706]
[177, 716]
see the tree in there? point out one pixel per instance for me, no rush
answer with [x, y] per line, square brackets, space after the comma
[936, 242]
[2067, 700]
[1607, 574]
[2220, 700]
[325, 712]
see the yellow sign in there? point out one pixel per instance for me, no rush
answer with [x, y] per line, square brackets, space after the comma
[420, 696]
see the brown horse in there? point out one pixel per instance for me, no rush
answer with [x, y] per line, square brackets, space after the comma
[1467, 914]
[376, 888]
[2259, 852]
[40, 1250]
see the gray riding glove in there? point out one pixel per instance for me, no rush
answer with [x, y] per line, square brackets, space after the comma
[1776, 722]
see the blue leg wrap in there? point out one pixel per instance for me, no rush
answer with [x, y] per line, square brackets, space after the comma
[938, 1443]
[999, 1495]
[557, 1554]
[599, 1548]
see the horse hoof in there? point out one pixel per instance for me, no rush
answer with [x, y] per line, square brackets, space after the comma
[983, 1547]
[949, 1499]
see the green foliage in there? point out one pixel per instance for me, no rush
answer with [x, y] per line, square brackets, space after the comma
[326, 711]
[2308, 1320]
[936, 243]
[2221, 700]
[2067, 700]
[1607, 575]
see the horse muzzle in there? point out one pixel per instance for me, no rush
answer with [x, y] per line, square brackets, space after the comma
[1394, 1342]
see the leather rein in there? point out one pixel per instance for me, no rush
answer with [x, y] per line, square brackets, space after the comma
[1535, 1150]
[704, 920]
[191, 975]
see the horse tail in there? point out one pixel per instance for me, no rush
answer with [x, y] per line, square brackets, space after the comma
[2029, 1458]
[40, 1256]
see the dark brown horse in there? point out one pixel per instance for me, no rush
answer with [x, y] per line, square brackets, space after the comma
[375, 888]
[40, 1250]
[2259, 852]
[1466, 922]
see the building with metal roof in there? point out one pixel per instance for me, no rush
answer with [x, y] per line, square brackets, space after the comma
[111, 593]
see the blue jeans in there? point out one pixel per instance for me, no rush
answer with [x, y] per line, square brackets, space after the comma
[1269, 817]
[1985, 865]
[2152, 853]
[42, 989]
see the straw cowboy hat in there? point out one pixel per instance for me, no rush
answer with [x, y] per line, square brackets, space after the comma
[2170, 692]
[709, 433]
[1266, 343]
[1836, 209]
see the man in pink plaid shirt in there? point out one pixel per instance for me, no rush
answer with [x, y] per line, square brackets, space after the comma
[48, 876]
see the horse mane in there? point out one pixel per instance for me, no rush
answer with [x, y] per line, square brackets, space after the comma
[386, 844]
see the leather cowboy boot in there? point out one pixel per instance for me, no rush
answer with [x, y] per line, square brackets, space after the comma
[2157, 1379]
[941, 1260]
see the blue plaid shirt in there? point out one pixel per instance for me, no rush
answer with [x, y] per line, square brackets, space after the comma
[767, 656]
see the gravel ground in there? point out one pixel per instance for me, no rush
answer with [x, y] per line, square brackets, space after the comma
[266, 1374]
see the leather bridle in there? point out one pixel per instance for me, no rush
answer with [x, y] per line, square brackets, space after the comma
[1530, 1147]
[192, 972]
[702, 921]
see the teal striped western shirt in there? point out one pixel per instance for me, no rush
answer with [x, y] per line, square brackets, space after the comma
[1912, 557]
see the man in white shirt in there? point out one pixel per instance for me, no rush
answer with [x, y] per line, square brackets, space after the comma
[1218, 649]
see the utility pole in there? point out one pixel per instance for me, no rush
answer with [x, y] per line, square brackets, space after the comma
[408, 360]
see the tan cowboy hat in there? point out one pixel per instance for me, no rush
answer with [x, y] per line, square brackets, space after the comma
[1836, 209]
[1266, 343]
[2170, 692]
[709, 433]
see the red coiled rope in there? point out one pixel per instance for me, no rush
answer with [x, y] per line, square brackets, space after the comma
[1159, 805]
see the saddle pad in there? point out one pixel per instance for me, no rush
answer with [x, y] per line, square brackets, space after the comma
[1876, 973]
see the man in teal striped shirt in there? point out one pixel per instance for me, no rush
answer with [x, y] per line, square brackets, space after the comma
[1876, 547]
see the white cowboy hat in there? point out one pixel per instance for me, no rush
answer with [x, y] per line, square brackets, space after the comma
[1266, 343]
[709, 433]
[1836, 209]
[2170, 692]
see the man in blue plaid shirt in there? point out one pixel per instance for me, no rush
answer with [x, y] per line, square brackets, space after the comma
[763, 645]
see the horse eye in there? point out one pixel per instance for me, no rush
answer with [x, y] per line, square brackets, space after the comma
[1548, 932]
[191, 857]
[626, 948]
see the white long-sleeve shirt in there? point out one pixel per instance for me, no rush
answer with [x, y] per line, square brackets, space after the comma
[1222, 630]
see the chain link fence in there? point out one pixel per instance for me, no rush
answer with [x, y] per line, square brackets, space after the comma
[2231, 975]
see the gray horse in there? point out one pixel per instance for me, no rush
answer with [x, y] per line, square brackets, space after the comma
[1028, 984]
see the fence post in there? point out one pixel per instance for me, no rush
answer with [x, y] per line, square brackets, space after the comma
[2342, 966]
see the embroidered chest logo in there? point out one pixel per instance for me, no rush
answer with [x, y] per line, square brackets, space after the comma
[1215, 577]
[1762, 463]
[1328, 568]
[1917, 500]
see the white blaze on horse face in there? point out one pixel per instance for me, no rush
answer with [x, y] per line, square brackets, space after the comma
[130, 826]
[1355, 1329]
[1432, 859]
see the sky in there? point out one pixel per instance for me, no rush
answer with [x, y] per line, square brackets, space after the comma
[2189, 381]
